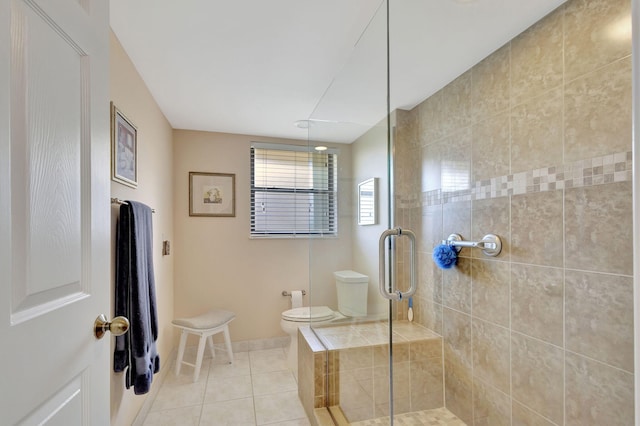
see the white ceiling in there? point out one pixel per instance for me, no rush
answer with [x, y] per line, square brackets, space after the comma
[256, 66]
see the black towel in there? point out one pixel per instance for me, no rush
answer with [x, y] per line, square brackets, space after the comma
[135, 298]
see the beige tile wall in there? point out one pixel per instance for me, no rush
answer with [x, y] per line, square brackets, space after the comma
[336, 369]
[533, 144]
[315, 369]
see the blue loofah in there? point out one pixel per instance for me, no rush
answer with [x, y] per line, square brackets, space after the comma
[445, 256]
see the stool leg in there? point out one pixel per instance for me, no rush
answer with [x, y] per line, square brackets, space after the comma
[227, 341]
[211, 348]
[183, 342]
[196, 373]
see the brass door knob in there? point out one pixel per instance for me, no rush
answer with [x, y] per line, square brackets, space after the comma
[118, 326]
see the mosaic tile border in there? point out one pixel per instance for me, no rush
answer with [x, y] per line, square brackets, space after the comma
[583, 173]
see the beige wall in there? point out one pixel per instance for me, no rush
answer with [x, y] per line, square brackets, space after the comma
[155, 183]
[219, 266]
[216, 264]
[540, 135]
[370, 161]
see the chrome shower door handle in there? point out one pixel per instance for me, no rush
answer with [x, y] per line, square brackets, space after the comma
[397, 295]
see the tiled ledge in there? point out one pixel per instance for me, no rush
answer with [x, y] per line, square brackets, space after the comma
[371, 334]
[330, 358]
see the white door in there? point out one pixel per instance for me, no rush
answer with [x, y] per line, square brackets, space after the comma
[54, 211]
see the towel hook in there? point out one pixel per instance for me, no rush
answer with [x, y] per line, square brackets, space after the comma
[491, 244]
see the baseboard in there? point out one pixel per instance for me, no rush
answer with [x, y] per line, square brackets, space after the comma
[242, 346]
[158, 380]
[261, 344]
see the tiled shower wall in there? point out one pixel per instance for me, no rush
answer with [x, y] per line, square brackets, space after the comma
[533, 144]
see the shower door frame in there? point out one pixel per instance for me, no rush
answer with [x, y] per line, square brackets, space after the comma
[635, 57]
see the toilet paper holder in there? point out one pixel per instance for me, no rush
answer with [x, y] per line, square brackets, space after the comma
[286, 293]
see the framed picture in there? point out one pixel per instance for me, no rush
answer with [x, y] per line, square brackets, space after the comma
[124, 149]
[212, 194]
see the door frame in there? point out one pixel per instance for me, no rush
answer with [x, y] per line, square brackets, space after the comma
[635, 57]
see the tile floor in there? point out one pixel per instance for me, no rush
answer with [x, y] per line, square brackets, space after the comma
[257, 389]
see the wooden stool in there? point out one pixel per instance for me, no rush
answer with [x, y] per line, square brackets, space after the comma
[205, 325]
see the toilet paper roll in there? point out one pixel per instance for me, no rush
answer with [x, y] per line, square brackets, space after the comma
[296, 299]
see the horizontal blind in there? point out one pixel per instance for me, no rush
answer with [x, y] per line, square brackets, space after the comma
[293, 192]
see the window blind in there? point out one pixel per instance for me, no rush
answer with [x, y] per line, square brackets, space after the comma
[455, 176]
[293, 191]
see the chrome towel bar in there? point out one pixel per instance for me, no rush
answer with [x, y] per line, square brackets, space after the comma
[491, 244]
[119, 201]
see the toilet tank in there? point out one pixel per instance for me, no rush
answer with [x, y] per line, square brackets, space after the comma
[352, 290]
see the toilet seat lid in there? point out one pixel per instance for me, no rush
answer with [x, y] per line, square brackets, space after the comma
[308, 313]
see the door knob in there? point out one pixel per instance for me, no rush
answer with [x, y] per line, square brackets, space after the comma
[118, 326]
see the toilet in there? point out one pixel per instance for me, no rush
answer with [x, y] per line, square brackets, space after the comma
[351, 288]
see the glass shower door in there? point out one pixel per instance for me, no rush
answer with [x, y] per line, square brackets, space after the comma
[444, 164]
[353, 120]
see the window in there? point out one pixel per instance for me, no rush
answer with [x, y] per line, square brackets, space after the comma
[293, 191]
[455, 176]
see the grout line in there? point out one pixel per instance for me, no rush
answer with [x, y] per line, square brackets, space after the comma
[528, 408]
[472, 282]
[510, 318]
[564, 334]
[204, 394]
[564, 223]
[602, 363]
[253, 397]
